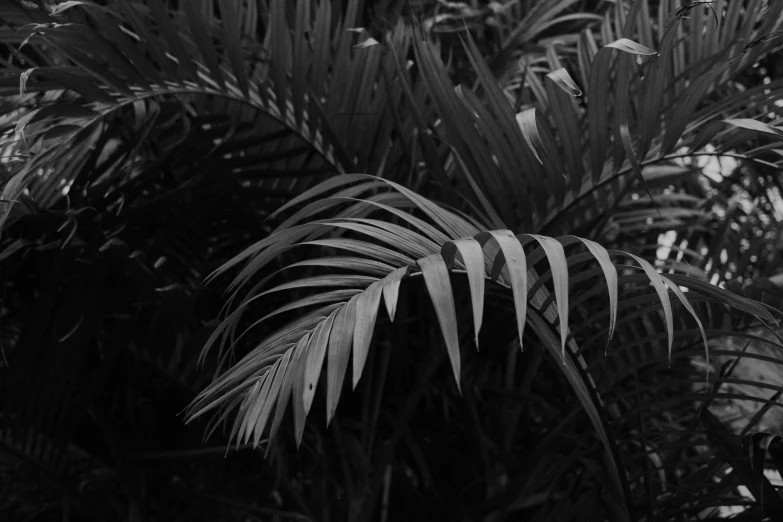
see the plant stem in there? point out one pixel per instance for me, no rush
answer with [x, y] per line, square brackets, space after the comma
[390, 445]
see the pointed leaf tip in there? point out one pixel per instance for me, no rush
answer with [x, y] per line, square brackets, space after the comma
[527, 124]
[610, 274]
[629, 46]
[473, 259]
[366, 315]
[663, 293]
[340, 340]
[563, 80]
[391, 290]
[684, 300]
[513, 255]
[756, 126]
[316, 351]
[436, 278]
[369, 42]
[559, 266]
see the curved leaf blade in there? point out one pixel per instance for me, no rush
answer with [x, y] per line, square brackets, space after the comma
[436, 278]
[316, 351]
[473, 259]
[661, 289]
[366, 315]
[609, 270]
[512, 253]
[340, 340]
[559, 265]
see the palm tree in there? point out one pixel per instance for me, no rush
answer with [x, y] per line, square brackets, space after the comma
[488, 215]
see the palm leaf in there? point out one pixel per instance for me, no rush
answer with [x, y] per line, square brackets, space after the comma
[210, 77]
[505, 262]
[667, 108]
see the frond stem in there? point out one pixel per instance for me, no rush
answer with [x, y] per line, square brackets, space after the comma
[124, 102]
[627, 170]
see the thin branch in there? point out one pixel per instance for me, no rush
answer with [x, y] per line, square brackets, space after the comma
[189, 453]
[622, 172]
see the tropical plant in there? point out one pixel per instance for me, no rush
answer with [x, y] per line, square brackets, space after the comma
[118, 199]
[147, 142]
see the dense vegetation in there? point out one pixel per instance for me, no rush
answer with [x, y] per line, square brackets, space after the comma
[396, 260]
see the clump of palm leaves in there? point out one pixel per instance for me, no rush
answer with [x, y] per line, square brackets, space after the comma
[159, 141]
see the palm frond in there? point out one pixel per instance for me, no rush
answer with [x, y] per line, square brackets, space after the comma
[667, 106]
[238, 87]
[289, 362]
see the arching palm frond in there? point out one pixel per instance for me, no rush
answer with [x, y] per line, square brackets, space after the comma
[142, 145]
[273, 101]
[554, 166]
[337, 313]
[148, 134]
[646, 107]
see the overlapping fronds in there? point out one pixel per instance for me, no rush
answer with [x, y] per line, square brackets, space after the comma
[560, 192]
[672, 93]
[337, 313]
[276, 98]
[654, 395]
[610, 167]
